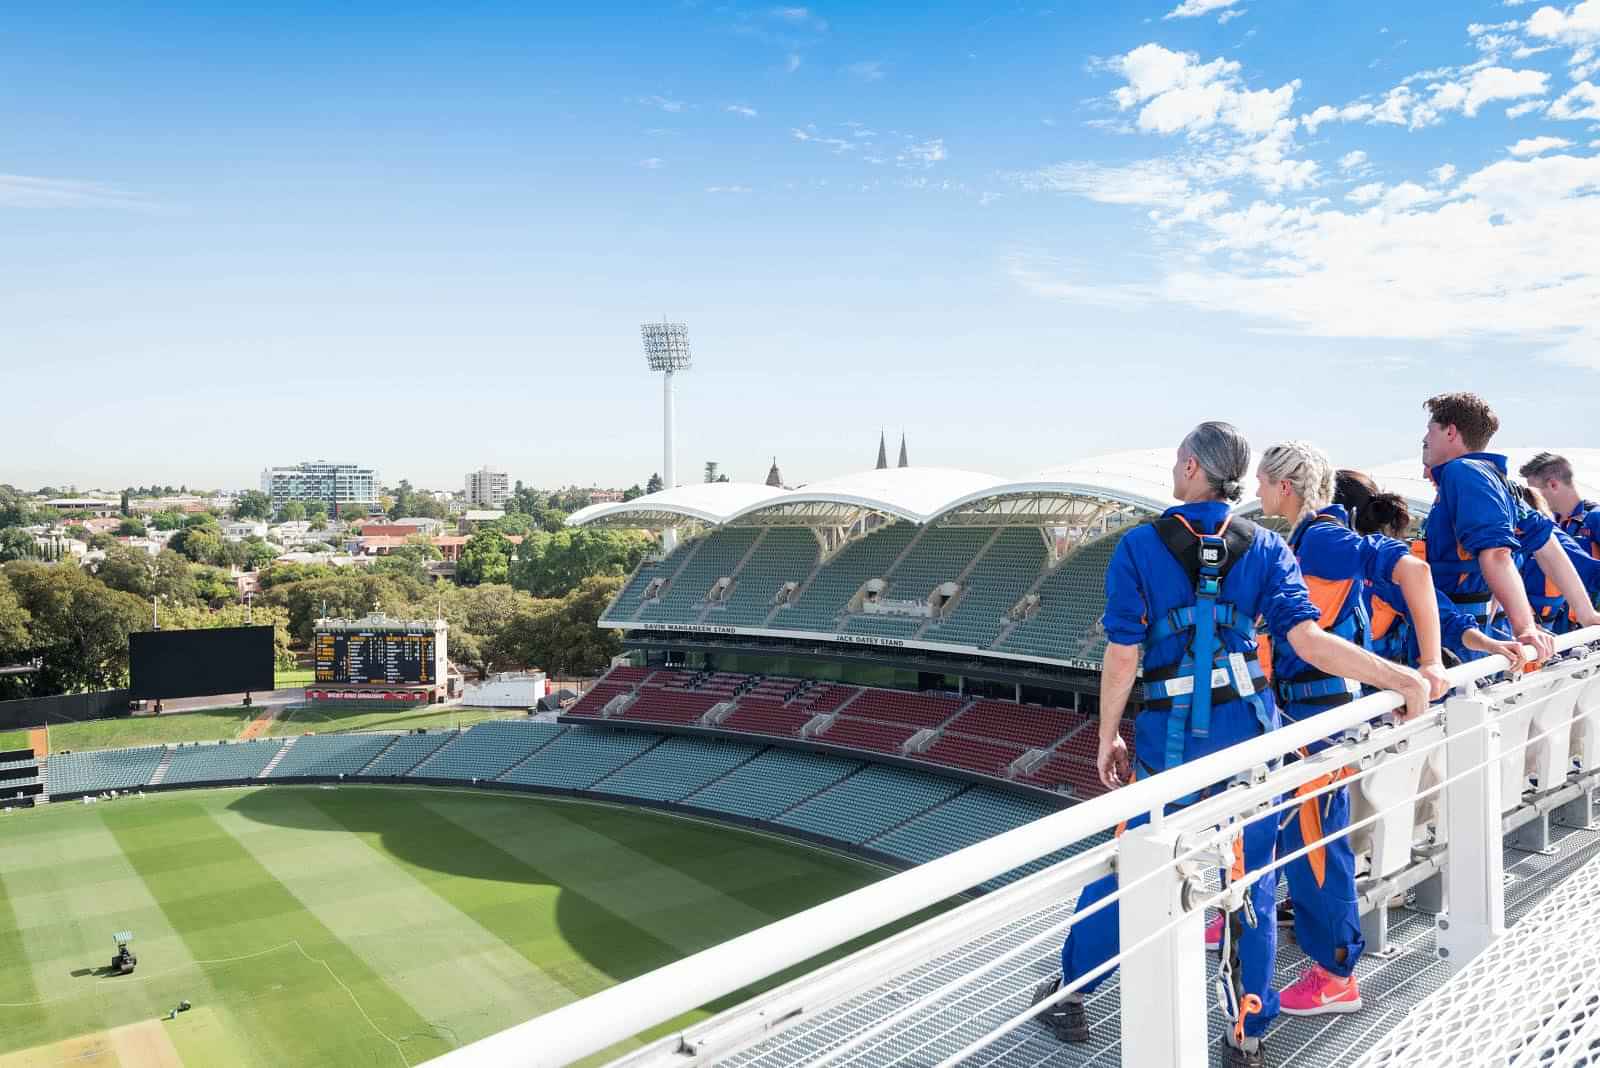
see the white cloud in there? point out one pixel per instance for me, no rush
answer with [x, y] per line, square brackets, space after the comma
[1507, 255]
[1230, 14]
[1370, 193]
[1194, 8]
[1175, 91]
[1516, 111]
[1533, 146]
[741, 110]
[22, 191]
[663, 103]
[792, 64]
[1582, 101]
[727, 189]
[870, 70]
[1576, 25]
[654, 163]
[922, 153]
[800, 16]
[985, 199]
[1446, 90]
[838, 144]
[1351, 160]
[1442, 174]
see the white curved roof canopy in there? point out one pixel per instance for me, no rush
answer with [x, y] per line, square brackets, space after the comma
[1073, 494]
[710, 503]
[915, 494]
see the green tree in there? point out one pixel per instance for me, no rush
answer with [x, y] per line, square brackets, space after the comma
[131, 528]
[553, 565]
[485, 558]
[124, 509]
[213, 586]
[317, 512]
[15, 640]
[478, 616]
[560, 636]
[79, 628]
[525, 500]
[653, 484]
[15, 508]
[256, 553]
[129, 570]
[167, 520]
[292, 511]
[17, 544]
[252, 504]
[632, 493]
[201, 545]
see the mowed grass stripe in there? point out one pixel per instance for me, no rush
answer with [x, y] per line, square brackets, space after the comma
[453, 971]
[658, 896]
[582, 945]
[19, 1015]
[227, 905]
[64, 914]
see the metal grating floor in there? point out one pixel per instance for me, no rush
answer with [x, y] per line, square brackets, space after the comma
[1390, 987]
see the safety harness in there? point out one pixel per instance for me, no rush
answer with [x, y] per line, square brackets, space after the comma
[1317, 688]
[1479, 605]
[1207, 674]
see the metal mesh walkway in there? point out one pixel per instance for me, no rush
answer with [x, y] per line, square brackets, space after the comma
[1391, 987]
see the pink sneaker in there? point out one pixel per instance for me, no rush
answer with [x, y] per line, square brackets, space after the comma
[1319, 991]
[1214, 934]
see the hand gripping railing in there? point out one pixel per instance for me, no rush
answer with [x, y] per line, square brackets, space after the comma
[1150, 864]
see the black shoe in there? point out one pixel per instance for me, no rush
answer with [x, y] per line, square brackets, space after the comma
[1286, 913]
[1247, 1058]
[1066, 1019]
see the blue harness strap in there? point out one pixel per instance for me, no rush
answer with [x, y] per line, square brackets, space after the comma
[1189, 688]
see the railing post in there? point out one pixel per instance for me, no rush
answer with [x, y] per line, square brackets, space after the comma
[1165, 1024]
[1474, 871]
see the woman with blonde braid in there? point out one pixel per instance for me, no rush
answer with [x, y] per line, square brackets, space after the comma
[1297, 484]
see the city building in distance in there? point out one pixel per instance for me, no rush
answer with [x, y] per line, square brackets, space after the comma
[488, 489]
[347, 489]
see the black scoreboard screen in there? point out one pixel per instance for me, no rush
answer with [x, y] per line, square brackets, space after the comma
[375, 656]
[200, 663]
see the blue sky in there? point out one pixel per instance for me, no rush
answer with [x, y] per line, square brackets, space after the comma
[423, 235]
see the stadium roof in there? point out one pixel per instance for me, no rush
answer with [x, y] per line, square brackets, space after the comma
[915, 494]
[711, 503]
[1074, 494]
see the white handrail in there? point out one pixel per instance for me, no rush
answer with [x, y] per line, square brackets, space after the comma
[585, 1027]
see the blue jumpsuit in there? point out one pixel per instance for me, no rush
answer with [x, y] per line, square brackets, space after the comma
[1473, 511]
[1340, 568]
[1549, 606]
[1583, 526]
[1145, 583]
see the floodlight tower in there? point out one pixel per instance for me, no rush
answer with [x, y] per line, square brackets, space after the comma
[666, 349]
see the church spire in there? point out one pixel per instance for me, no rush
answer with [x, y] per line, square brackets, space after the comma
[883, 452]
[903, 461]
[774, 479]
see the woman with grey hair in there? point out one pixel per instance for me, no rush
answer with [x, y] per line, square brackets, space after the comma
[1185, 592]
[1296, 483]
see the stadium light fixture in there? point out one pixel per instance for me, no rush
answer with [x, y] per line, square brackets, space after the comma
[666, 349]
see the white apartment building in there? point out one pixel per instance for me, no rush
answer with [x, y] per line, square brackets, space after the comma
[348, 490]
[488, 489]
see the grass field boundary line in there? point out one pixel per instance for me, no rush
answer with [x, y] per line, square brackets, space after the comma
[291, 944]
[357, 1003]
[123, 981]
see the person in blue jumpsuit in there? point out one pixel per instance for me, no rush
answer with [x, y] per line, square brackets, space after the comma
[1187, 627]
[1551, 475]
[1391, 635]
[1550, 608]
[1297, 484]
[1478, 533]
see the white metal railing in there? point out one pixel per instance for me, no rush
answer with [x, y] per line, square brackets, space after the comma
[1161, 886]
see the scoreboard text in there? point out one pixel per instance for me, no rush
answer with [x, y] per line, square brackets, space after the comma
[376, 657]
